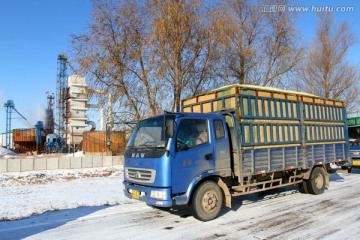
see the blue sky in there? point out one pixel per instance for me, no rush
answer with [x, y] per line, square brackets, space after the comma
[34, 32]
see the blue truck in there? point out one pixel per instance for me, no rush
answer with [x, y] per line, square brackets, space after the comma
[233, 141]
[354, 140]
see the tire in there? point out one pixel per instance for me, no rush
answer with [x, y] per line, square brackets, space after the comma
[316, 183]
[303, 187]
[207, 201]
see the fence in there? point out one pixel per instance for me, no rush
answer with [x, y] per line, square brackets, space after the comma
[94, 143]
[56, 163]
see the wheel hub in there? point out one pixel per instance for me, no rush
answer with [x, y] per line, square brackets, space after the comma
[319, 181]
[210, 201]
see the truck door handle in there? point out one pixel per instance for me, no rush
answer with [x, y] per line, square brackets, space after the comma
[209, 156]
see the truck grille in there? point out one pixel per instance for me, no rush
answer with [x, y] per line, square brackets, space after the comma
[355, 153]
[140, 175]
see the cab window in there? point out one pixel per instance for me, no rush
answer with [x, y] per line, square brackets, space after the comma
[219, 129]
[191, 133]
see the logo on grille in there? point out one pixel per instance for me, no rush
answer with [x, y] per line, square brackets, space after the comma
[137, 174]
[138, 155]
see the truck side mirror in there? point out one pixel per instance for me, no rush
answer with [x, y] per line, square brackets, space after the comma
[169, 128]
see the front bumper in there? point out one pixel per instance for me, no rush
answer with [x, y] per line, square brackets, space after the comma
[355, 155]
[356, 162]
[143, 193]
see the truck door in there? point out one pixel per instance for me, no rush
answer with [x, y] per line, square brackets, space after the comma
[194, 152]
[236, 159]
[222, 148]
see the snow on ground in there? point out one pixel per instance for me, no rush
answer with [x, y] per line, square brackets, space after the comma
[12, 179]
[5, 153]
[29, 193]
[95, 208]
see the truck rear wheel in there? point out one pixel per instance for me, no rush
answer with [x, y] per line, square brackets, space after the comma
[207, 201]
[303, 187]
[316, 182]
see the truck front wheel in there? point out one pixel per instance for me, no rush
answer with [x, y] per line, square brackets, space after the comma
[316, 183]
[207, 201]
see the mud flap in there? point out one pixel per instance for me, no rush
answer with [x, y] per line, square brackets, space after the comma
[226, 192]
[327, 178]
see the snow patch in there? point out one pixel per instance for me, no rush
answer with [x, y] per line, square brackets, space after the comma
[31, 193]
[5, 153]
[51, 176]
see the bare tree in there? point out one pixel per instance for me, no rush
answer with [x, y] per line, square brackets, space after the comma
[257, 47]
[149, 54]
[281, 52]
[181, 46]
[326, 72]
[236, 27]
[115, 54]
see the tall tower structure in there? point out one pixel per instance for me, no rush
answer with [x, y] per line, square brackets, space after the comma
[61, 94]
[76, 108]
[49, 123]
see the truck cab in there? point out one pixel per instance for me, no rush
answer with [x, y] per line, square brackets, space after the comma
[354, 140]
[168, 155]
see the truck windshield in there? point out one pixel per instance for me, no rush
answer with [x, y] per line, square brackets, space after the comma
[354, 135]
[148, 133]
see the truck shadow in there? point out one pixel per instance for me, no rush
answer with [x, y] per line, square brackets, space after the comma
[22, 228]
[355, 170]
[182, 211]
[335, 177]
[338, 176]
[237, 202]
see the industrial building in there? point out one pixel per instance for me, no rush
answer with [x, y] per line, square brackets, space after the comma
[76, 107]
[69, 129]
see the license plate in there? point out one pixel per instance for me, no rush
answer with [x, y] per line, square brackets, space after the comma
[135, 194]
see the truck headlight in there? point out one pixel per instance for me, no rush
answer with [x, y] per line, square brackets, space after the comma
[158, 194]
